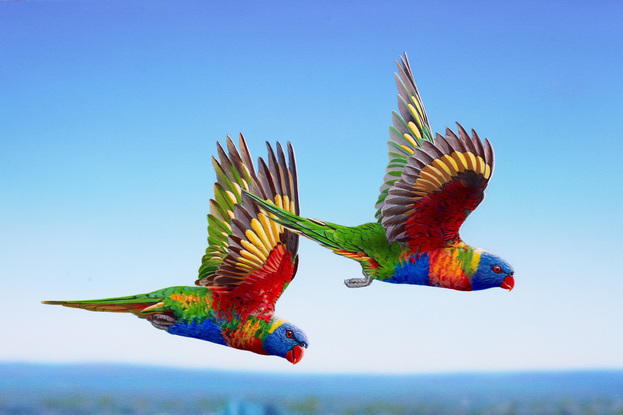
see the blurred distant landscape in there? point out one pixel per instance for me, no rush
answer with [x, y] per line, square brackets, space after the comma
[141, 390]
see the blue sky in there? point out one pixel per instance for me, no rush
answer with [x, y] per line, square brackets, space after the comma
[110, 112]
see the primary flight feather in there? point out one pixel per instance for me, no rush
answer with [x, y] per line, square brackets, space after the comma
[249, 262]
[430, 187]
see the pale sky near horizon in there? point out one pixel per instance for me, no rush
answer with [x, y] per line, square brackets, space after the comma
[110, 112]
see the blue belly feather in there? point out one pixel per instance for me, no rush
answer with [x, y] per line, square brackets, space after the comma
[207, 330]
[412, 271]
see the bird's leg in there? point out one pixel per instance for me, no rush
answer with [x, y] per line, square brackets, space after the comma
[162, 321]
[359, 282]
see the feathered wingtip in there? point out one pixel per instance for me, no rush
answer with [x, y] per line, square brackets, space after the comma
[409, 130]
[413, 119]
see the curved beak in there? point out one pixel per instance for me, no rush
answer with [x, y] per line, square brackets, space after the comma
[295, 354]
[508, 283]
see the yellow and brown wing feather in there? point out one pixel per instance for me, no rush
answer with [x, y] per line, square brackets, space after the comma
[234, 172]
[441, 184]
[261, 254]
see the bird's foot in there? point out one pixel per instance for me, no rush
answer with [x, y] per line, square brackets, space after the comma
[359, 282]
[162, 321]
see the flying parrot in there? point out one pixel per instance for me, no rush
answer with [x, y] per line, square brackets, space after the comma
[430, 187]
[249, 262]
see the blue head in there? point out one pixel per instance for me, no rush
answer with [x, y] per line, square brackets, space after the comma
[492, 272]
[287, 341]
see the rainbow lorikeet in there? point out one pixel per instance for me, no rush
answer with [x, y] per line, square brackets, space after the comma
[248, 264]
[430, 187]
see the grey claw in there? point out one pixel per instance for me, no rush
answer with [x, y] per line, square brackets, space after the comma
[162, 321]
[359, 282]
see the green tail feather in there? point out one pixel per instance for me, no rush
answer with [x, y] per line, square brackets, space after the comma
[141, 305]
[329, 235]
[366, 243]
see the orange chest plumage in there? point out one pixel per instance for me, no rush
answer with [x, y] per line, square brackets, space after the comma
[448, 271]
[445, 267]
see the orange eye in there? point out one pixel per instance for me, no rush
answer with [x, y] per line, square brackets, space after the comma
[497, 269]
[289, 334]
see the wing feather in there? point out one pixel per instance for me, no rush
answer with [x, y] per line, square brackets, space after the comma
[249, 255]
[441, 184]
[409, 130]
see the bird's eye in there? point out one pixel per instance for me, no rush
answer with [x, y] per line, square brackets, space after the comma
[497, 269]
[289, 333]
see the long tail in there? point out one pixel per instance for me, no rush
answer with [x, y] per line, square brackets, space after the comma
[142, 305]
[332, 236]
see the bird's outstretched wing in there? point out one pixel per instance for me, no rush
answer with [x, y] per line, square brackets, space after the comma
[410, 129]
[440, 186]
[250, 259]
[430, 186]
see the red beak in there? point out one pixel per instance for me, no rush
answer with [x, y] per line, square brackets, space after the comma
[295, 354]
[508, 283]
